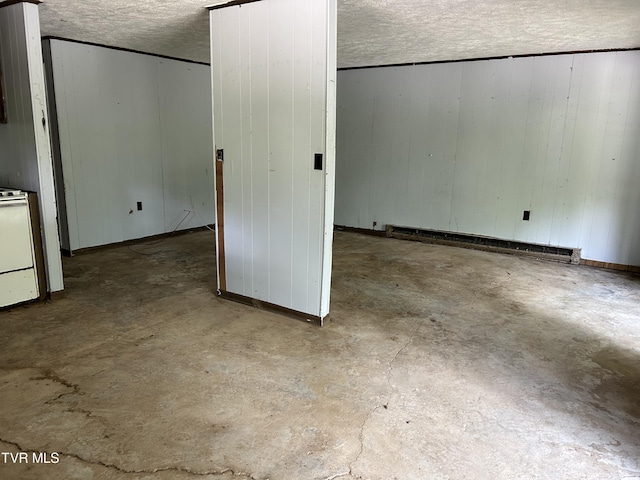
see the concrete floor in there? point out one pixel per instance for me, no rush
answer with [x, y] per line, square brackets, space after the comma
[440, 363]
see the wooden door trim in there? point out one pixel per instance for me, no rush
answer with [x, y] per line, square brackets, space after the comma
[222, 272]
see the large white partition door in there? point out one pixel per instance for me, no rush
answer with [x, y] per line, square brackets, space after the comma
[273, 74]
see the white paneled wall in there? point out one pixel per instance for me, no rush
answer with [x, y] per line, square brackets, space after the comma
[25, 154]
[467, 147]
[274, 109]
[132, 128]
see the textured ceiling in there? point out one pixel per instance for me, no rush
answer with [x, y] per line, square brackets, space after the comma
[370, 32]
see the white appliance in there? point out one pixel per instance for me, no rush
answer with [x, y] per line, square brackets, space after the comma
[18, 276]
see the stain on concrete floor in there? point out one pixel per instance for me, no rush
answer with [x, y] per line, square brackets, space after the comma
[439, 363]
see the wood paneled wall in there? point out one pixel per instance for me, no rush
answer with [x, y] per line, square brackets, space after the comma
[274, 66]
[25, 153]
[131, 128]
[468, 146]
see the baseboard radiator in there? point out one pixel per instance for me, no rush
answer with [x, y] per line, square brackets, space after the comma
[490, 244]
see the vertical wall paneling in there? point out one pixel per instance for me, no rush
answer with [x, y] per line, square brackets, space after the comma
[627, 240]
[25, 153]
[273, 73]
[468, 146]
[131, 128]
[325, 56]
[301, 40]
[186, 148]
[63, 225]
[258, 209]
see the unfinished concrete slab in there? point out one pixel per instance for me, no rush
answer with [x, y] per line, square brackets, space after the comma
[439, 363]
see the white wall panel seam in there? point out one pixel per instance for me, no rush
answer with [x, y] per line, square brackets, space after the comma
[604, 165]
[309, 133]
[562, 146]
[503, 155]
[292, 160]
[587, 214]
[634, 256]
[411, 95]
[618, 159]
[251, 162]
[214, 43]
[452, 214]
[162, 149]
[269, 14]
[66, 152]
[599, 155]
[373, 159]
[240, 160]
[571, 156]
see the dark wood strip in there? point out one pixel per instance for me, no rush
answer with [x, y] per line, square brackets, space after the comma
[480, 59]
[234, 3]
[135, 241]
[610, 266]
[220, 224]
[13, 2]
[272, 307]
[122, 49]
[362, 231]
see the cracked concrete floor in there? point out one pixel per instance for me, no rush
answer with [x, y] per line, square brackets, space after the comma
[440, 363]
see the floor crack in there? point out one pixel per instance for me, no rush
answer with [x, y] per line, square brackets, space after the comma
[338, 475]
[385, 405]
[395, 357]
[361, 438]
[188, 471]
[52, 376]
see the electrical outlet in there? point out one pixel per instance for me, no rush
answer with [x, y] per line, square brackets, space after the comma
[139, 206]
[525, 215]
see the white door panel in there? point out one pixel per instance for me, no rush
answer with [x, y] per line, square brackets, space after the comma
[273, 74]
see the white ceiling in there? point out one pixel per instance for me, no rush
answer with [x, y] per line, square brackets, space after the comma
[370, 32]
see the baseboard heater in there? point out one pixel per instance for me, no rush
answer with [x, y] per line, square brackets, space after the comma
[490, 244]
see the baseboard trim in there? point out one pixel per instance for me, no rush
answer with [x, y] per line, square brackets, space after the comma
[55, 296]
[610, 266]
[573, 258]
[134, 241]
[271, 307]
[362, 231]
[487, 244]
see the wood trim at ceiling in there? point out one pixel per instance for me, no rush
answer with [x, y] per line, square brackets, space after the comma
[233, 3]
[123, 49]
[13, 2]
[503, 57]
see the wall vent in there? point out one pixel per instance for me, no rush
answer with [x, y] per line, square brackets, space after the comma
[477, 242]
